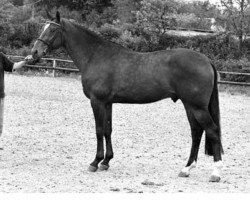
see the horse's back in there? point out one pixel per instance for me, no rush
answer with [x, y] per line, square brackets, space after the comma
[125, 76]
[138, 78]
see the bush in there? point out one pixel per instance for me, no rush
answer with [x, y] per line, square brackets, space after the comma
[109, 32]
[66, 13]
[24, 34]
[214, 46]
[190, 20]
[23, 51]
[242, 65]
[16, 37]
[21, 14]
[5, 30]
[233, 65]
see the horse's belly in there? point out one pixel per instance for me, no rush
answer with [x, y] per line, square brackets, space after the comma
[141, 96]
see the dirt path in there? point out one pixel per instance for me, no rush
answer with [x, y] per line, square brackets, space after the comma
[49, 141]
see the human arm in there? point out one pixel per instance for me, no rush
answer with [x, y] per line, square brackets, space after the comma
[18, 65]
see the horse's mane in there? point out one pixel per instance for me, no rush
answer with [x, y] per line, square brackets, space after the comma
[91, 33]
[82, 27]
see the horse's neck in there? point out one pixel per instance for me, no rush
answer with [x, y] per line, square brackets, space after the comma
[80, 46]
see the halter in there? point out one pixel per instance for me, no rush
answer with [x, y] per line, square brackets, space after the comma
[53, 39]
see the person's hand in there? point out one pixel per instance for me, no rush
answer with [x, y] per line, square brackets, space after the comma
[28, 58]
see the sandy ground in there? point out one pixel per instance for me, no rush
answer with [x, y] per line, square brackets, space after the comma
[49, 141]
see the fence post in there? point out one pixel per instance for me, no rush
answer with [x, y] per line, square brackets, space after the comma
[54, 66]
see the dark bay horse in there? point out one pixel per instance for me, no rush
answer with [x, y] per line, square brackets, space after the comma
[113, 74]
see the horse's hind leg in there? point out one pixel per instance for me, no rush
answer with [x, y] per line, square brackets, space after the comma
[196, 132]
[204, 118]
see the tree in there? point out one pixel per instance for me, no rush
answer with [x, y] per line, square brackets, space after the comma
[17, 2]
[199, 14]
[156, 16]
[6, 8]
[237, 17]
[125, 10]
[201, 9]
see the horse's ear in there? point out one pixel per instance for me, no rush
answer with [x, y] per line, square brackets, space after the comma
[49, 15]
[58, 17]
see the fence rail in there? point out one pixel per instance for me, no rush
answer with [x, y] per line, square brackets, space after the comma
[55, 60]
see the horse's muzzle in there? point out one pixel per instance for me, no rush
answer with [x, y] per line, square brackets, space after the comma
[34, 53]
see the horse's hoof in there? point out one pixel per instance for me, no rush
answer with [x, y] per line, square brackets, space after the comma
[183, 174]
[103, 167]
[214, 178]
[92, 168]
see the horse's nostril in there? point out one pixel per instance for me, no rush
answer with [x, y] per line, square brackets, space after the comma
[34, 53]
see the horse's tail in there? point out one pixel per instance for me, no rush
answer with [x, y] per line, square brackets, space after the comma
[214, 111]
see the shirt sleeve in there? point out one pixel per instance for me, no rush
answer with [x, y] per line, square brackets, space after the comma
[7, 63]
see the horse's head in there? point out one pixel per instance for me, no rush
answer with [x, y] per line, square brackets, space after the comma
[50, 38]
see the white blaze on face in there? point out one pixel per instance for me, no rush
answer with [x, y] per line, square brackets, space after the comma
[45, 27]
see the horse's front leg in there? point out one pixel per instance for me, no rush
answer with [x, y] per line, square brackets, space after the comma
[99, 114]
[107, 134]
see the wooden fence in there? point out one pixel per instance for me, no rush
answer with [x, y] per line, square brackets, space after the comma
[55, 60]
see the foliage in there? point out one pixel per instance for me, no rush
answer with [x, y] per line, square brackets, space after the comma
[24, 34]
[235, 65]
[190, 20]
[141, 25]
[110, 32]
[6, 8]
[20, 14]
[156, 16]
[95, 19]
[78, 5]
[126, 10]
[201, 9]
[23, 51]
[237, 16]
[66, 13]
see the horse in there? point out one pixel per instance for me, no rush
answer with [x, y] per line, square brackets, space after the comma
[111, 73]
